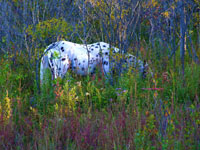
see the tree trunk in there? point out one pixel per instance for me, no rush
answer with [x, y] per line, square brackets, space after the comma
[182, 33]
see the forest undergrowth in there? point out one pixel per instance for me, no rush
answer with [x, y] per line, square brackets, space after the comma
[126, 111]
[159, 112]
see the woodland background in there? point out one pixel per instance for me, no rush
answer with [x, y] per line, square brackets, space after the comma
[87, 113]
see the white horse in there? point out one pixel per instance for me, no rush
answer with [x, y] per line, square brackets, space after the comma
[83, 59]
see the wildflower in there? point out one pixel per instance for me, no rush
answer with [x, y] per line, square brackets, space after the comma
[155, 94]
[155, 131]
[33, 109]
[118, 94]
[87, 94]
[147, 113]
[124, 91]
[167, 113]
[78, 83]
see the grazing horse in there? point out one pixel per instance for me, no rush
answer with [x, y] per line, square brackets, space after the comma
[83, 59]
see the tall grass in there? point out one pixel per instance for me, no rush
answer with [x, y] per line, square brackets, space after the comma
[88, 113]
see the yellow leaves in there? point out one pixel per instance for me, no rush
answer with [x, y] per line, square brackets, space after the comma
[155, 94]
[124, 12]
[173, 6]
[98, 3]
[166, 14]
[33, 110]
[5, 108]
[154, 2]
[56, 107]
[151, 3]
[49, 28]
[69, 97]
[117, 56]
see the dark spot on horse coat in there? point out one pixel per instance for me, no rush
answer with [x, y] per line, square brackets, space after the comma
[79, 64]
[83, 61]
[92, 49]
[75, 59]
[97, 55]
[96, 46]
[62, 49]
[63, 59]
[106, 53]
[59, 69]
[91, 62]
[129, 57]
[83, 69]
[104, 45]
[105, 63]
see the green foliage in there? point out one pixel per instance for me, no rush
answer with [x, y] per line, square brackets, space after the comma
[10, 80]
[68, 98]
[53, 29]
[159, 112]
[4, 73]
[145, 115]
[44, 101]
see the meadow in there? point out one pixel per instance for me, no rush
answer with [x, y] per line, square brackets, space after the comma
[160, 112]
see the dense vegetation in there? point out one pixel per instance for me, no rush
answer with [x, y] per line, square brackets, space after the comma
[159, 112]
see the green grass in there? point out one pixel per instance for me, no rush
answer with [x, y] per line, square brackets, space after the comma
[89, 113]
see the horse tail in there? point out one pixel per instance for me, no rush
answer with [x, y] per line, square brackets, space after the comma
[43, 66]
